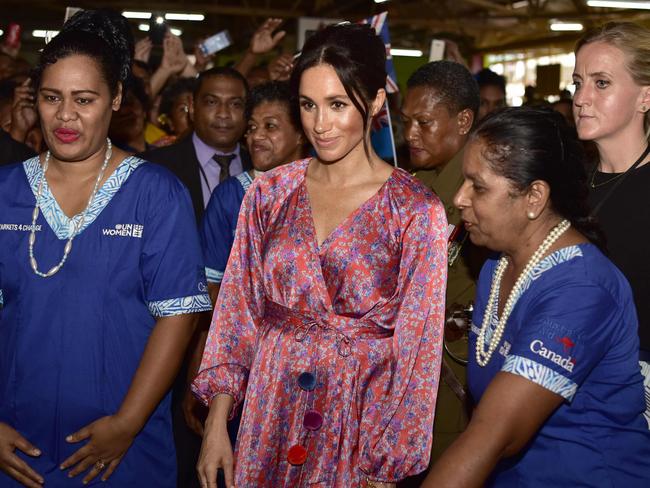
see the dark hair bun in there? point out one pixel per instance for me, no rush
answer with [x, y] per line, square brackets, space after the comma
[110, 27]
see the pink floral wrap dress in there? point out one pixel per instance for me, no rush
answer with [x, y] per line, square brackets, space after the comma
[335, 351]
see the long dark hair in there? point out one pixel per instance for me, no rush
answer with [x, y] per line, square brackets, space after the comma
[102, 35]
[357, 55]
[525, 144]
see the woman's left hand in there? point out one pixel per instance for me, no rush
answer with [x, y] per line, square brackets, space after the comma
[108, 440]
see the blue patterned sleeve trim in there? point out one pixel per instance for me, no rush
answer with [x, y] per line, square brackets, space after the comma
[2, 300]
[541, 375]
[178, 306]
[213, 275]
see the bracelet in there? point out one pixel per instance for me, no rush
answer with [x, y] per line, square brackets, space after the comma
[374, 484]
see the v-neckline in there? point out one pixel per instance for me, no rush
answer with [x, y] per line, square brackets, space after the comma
[320, 248]
[58, 221]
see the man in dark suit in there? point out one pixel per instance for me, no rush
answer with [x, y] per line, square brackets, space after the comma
[212, 152]
[202, 160]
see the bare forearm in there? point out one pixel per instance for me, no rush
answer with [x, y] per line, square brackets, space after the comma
[466, 463]
[158, 80]
[158, 367]
[246, 63]
[219, 412]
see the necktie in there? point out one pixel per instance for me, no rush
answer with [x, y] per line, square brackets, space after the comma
[223, 160]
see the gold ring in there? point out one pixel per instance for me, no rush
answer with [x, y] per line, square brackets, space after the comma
[99, 465]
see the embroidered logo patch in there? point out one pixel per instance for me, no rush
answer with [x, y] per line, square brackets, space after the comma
[538, 347]
[124, 230]
[566, 342]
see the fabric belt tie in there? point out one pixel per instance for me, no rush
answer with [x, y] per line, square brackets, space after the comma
[346, 329]
[223, 160]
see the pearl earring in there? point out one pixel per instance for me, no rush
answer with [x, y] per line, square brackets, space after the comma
[531, 215]
[644, 108]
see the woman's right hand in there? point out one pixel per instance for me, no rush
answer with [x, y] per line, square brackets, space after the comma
[10, 440]
[216, 452]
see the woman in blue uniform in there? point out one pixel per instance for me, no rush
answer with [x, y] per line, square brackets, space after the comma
[100, 275]
[553, 345]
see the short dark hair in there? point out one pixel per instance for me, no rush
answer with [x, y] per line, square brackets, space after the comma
[452, 82]
[171, 92]
[103, 35]
[357, 55]
[225, 71]
[274, 91]
[525, 144]
[487, 77]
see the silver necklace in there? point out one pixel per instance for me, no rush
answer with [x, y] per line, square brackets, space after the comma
[73, 233]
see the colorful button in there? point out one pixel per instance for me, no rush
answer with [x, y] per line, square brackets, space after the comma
[297, 455]
[307, 381]
[313, 420]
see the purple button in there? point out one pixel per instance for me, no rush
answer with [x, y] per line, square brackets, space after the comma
[307, 381]
[313, 420]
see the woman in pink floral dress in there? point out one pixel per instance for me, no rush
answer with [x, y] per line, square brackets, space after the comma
[329, 320]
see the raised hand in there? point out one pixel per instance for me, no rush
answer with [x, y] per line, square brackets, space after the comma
[280, 68]
[23, 111]
[143, 50]
[263, 39]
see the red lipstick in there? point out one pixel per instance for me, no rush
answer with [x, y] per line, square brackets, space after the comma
[66, 136]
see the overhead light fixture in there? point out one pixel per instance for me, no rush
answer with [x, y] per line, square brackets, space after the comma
[144, 27]
[44, 33]
[136, 15]
[380, 1]
[412, 53]
[175, 31]
[520, 4]
[615, 4]
[160, 19]
[566, 26]
[1, 32]
[192, 17]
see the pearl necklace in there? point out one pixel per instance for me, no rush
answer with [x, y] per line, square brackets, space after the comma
[68, 246]
[482, 355]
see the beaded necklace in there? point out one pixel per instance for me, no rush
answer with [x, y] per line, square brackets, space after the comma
[68, 246]
[483, 353]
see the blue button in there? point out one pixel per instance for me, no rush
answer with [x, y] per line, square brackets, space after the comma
[307, 381]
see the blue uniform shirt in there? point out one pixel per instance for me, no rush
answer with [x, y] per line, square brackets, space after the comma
[70, 344]
[573, 331]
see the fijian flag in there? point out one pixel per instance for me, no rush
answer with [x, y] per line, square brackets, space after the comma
[382, 132]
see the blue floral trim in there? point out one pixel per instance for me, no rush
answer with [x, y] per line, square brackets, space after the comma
[2, 300]
[540, 375]
[179, 306]
[549, 262]
[245, 180]
[213, 275]
[57, 220]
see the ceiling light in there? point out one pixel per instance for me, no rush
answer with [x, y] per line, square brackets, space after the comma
[566, 26]
[615, 4]
[413, 53]
[144, 27]
[520, 4]
[44, 33]
[136, 15]
[194, 17]
[160, 19]
[1, 32]
[176, 32]
[380, 1]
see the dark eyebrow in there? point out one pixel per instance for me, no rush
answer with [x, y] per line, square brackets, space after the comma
[76, 92]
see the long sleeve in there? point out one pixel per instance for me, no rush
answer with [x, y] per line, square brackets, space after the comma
[396, 432]
[231, 343]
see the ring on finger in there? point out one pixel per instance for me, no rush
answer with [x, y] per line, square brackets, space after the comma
[99, 465]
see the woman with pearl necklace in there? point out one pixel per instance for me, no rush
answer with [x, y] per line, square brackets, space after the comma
[553, 345]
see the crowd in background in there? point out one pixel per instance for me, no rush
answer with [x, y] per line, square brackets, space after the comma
[219, 129]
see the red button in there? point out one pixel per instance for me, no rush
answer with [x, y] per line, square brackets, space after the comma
[297, 455]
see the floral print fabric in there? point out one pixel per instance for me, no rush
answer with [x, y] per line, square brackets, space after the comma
[363, 314]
